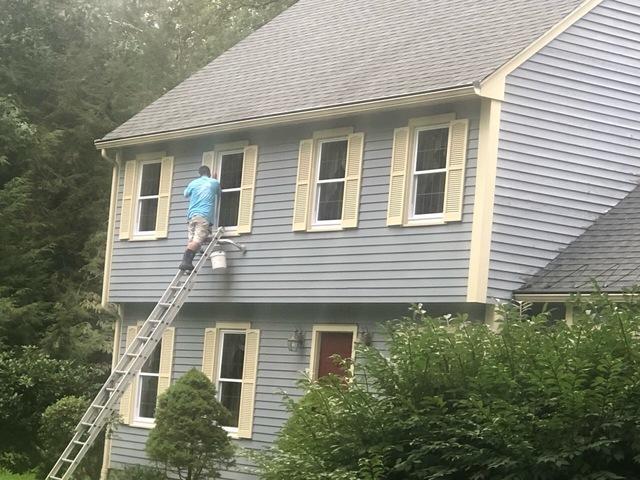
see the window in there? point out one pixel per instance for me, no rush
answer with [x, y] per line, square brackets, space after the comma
[230, 176]
[427, 181]
[147, 394]
[330, 172]
[328, 181]
[429, 171]
[230, 374]
[328, 341]
[148, 195]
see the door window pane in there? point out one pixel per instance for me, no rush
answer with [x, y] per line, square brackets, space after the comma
[148, 396]
[430, 193]
[432, 149]
[330, 201]
[333, 160]
[232, 364]
[230, 398]
[150, 181]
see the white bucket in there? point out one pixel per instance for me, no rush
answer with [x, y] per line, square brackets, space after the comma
[219, 260]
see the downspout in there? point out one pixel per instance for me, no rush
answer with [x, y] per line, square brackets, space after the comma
[115, 176]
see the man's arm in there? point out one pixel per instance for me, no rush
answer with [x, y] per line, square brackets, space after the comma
[188, 191]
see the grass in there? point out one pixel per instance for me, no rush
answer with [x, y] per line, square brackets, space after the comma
[11, 476]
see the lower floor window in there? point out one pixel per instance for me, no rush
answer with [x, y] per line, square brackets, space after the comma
[230, 373]
[147, 394]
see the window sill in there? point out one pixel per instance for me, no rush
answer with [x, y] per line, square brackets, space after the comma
[143, 238]
[146, 425]
[424, 222]
[230, 233]
[325, 228]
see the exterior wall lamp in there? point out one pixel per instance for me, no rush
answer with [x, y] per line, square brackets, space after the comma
[295, 341]
[365, 338]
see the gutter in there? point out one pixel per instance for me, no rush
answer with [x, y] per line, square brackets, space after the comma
[433, 97]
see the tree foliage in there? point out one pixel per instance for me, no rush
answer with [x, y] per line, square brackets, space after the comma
[454, 400]
[188, 438]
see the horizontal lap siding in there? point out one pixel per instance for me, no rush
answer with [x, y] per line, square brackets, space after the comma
[373, 263]
[570, 141]
[278, 369]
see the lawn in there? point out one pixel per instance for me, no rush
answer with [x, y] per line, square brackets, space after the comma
[10, 476]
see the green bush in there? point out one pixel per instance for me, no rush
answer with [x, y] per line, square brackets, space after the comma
[137, 472]
[188, 438]
[31, 381]
[454, 400]
[57, 428]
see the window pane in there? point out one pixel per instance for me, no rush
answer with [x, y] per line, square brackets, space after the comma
[148, 396]
[432, 149]
[430, 193]
[230, 398]
[152, 365]
[231, 170]
[148, 213]
[333, 158]
[232, 356]
[229, 203]
[330, 203]
[150, 183]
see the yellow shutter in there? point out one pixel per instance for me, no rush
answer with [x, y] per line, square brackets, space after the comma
[126, 402]
[303, 186]
[353, 178]
[397, 183]
[248, 394]
[166, 360]
[247, 188]
[209, 353]
[128, 193]
[209, 159]
[164, 198]
[457, 156]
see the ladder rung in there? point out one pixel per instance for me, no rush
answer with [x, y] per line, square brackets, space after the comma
[97, 406]
[165, 305]
[143, 338]
[68, 460]
[87, 424]
[176, 287]
[77, 442]
[55, 478]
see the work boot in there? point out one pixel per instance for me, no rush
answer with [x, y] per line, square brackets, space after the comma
[187, 260]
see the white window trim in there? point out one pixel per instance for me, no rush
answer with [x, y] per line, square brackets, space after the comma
[315, 223]
[315, 344]
[230, 230]
[221, 334]
[137, 233]
[430, 217]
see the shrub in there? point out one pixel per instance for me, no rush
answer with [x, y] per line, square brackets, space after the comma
[31, 381]
[455, 400]
[188, 438]
[137, 472]
[57, 428]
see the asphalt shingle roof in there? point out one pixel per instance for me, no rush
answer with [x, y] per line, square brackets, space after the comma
[608, 252]
[322, 53]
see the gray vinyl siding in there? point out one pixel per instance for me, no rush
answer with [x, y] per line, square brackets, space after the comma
[373, 263]
[569, 141]
[278, 369]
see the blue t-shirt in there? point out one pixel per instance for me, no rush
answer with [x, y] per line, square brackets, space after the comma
[202, 194]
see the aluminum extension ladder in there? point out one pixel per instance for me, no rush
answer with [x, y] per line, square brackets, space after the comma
[101, 410]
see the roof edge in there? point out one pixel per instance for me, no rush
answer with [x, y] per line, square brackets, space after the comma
[493, 86]
[432, 97]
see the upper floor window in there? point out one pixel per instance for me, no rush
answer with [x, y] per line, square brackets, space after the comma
[328, 181]
[230, 176]
[428, 171]
[148, 195]
[329, 190]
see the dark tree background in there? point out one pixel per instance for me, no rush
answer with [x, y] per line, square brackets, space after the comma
[70, 71]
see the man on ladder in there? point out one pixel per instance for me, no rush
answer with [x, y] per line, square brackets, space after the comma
[203, 194]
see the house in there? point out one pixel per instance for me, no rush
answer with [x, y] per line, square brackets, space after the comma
[372, 155]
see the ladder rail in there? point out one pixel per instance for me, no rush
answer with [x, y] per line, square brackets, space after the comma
[105, 403]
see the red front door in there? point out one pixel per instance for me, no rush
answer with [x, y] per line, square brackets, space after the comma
[333, 343]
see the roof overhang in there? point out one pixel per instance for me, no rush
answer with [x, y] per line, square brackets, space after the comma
[407, 101]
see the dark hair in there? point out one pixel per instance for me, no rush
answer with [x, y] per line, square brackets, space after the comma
[204, 171]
